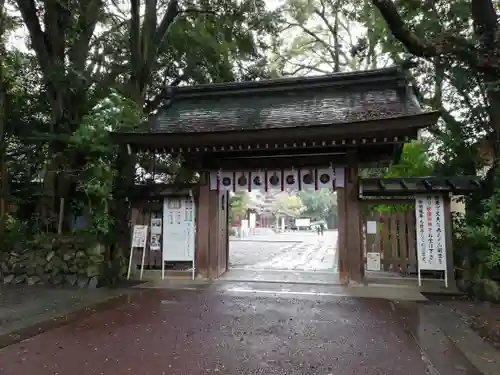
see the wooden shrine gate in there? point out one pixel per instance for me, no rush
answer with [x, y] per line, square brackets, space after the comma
[286, 126]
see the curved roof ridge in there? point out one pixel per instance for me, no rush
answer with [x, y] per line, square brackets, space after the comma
[375, 76]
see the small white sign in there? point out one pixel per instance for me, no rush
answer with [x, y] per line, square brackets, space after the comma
[371, 227]
[139, 236]
[373, 261]
[244, 224]
[154, 242]
[253, 220]
[156, 226]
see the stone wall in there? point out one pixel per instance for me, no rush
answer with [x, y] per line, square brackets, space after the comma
[58, 262]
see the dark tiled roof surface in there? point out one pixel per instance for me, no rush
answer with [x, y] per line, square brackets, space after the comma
[305, 106]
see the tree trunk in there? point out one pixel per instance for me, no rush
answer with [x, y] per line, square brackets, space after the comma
[3, 99]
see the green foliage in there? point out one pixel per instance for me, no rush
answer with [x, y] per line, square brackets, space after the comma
[479, 241]
[92, 139]
[238, 206]
[414, 162]
[288, 204]
[318, 204]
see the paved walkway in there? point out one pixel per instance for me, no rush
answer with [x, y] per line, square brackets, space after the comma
[29, 308]
[227, 329]
[305, 251]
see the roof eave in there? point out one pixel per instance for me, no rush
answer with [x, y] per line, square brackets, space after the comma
[365, 128]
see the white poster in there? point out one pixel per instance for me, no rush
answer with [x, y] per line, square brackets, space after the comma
[155, 237]
[371, 227]
[339, 177]
[139, 236]
[156, 226]
[431, 245]
[154, 243]
[373, 261]
[252, 220]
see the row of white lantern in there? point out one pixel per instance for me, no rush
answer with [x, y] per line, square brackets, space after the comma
[284, 180]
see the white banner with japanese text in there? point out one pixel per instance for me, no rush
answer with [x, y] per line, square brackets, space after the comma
[431, 244]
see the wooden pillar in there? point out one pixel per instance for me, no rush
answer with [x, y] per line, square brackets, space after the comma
[202, 247]
[352, 221]
[227, 230]
[341, 240]
[448, 227]
[214, 233]
[211, 232]
[223, 234]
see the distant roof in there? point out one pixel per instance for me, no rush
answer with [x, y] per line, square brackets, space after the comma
[285, 103]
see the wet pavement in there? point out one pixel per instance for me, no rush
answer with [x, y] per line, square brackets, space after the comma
[303, 250]
[222, 329]
[23, 306]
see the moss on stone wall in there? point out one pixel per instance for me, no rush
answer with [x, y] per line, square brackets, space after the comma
[66, 261]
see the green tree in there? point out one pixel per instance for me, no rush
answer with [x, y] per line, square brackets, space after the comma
[238, 204]
[414, 162]
[459, 42]
[321, 37]
[319, 204]
[288, 204]
[85, 55]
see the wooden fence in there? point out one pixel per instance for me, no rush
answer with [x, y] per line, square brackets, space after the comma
[394, 239]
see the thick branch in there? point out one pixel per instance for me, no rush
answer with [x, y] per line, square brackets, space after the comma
[418, 46]
[148, 36]
[485, 22]
[86, 23]
[135, 49]
[316, 37]
[38, 37]
[168, 19]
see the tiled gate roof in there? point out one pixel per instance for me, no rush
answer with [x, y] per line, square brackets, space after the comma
[285, 103]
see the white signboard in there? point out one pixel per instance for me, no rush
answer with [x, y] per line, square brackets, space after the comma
[373, 261]
[431, 244]
[371, 227]
[139, 236]
[244, 224]
[302, 222]
[178, 229]
[154, 240]
[252, 220]
[156, 226]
